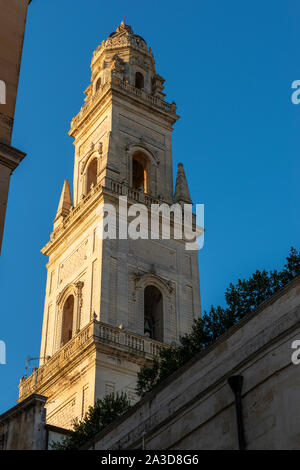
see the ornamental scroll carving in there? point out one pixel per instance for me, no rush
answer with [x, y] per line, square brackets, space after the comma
[73, 262]
[117, 69]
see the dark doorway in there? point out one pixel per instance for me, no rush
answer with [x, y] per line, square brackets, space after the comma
[92, 174]
[139, 80]
[138, 175]
[153, 313]
[68, 313]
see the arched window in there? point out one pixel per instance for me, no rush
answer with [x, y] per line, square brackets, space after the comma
[153, 313]
[140, 172]
[92, 174]
[68, 314]
[98, 84]
[139, 80]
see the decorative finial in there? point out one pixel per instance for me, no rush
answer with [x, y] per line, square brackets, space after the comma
[65, 202]
[182, 193]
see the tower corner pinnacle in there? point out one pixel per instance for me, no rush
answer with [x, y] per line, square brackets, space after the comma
[65, 202]
[182, 193]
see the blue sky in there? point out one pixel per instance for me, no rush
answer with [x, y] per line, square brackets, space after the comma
[229, 67]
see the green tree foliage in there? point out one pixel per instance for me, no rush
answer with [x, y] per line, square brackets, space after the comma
[99, 416]
[241, 299]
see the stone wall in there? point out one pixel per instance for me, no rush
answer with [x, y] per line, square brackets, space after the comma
[12, 27]
[23, 426]
[195, 407]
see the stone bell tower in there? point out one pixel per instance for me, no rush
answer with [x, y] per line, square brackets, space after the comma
[111, 304]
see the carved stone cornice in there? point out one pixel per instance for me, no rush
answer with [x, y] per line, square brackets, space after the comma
[117, 86]
[10, 156]
[94, 197]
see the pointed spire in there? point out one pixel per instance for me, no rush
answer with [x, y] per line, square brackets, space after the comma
[182, 193]
[65, 202]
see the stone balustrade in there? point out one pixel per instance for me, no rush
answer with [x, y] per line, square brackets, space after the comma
[116, 187]
[143, 95]
[111, 185]
[120, 85]
[94, 332]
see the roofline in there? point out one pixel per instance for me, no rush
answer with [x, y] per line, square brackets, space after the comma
[29, 401]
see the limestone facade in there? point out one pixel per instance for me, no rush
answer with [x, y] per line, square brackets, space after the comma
[23, 426]
[94, 336]
[194, 409]
[12, 27]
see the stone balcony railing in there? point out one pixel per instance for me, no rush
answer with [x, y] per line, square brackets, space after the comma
[94, 332]
[133, 195]
[119, 85]
[114, 186]
[144, 96]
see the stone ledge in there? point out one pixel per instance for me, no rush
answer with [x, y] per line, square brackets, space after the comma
[29, 401]
[127, 91]
[10, 156]
[98, 335]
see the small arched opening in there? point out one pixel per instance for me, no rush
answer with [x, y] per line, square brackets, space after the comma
[153, 313]
[140, 172]
[139, 80]
[68, 315]
[92, 174]
[98, 84]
